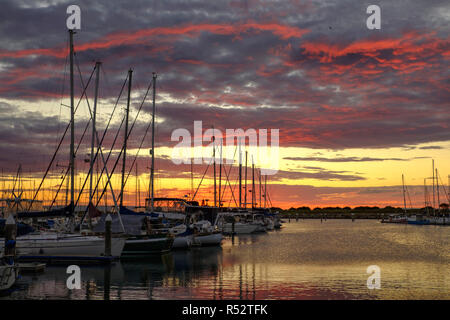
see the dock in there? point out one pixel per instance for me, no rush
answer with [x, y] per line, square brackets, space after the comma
[31, 267]
[68, 259]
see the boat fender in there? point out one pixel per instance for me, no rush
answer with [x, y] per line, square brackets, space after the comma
[10, 244]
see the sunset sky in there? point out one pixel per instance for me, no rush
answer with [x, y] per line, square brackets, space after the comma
[356, 108]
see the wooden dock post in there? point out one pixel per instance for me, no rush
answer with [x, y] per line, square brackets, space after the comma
[10, 236]
[107, 282]
[108, 222]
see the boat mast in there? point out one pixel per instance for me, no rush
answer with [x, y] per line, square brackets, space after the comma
[240, 174]
[437, 190]
[265, 191]
[253, 185]
[91, 168]
[220, 174]
[245, 181]
[139, 189]
[260, 189]
[137, 203]
[152, 169]
[425, 193]
[214, 165]
[127, 111]
[404, 195]
[67, 191]
[192, 179]
[96, 178]
[434, 198]
[72, 128]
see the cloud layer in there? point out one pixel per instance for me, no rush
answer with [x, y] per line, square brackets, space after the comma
[310, 68]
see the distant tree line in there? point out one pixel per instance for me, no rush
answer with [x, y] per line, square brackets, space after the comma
[361, 212]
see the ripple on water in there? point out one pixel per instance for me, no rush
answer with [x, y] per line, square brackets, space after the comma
[305, 260]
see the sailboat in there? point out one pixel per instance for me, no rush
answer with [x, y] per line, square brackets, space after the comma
[190, 223]
[252, 220]
[399, 218]
[206, 234]
[8, 267]
[8, 275]
[171, 222]
[141, 240]
[65, 245]
[170, 215]
[422, 219]
[236, 221]
[441, 215]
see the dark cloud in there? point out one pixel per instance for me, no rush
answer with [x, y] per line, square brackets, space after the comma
[348, 159]
[431, 148]
[235, 64]
[321, 174]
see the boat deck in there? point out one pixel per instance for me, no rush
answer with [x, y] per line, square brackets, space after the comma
[68, 259]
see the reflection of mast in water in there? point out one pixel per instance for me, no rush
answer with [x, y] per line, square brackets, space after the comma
[221, 278]
[240, 281]
[218, 277]
[107, 282]
[266, 277]
[250, 294]
[215, 286]
[253, 279]
[244, 279]
[246, 282]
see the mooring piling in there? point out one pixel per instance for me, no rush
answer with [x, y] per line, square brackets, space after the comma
[108, 223]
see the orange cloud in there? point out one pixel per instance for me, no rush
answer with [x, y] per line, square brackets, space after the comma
[136, 37]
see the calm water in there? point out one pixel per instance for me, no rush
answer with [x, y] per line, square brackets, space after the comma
[304, 260]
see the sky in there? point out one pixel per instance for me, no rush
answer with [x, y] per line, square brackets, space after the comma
[355, 108]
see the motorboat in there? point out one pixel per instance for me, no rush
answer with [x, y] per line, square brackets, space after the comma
[205, 234]
[236, 222]
[418, 219]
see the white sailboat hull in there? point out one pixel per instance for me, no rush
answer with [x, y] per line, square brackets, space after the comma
[270, 225]
[440, 220]
[8, 276]
[260, 227]
[239, 228]
[213, 239]
[183, 242]
[53, 245]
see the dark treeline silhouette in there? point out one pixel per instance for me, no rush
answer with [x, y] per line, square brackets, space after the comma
[361, 212]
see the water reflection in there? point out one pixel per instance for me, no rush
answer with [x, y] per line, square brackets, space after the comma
[305, 260]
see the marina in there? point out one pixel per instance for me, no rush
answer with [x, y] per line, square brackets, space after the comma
[162, 225]
[304, 260]
[233, 150]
